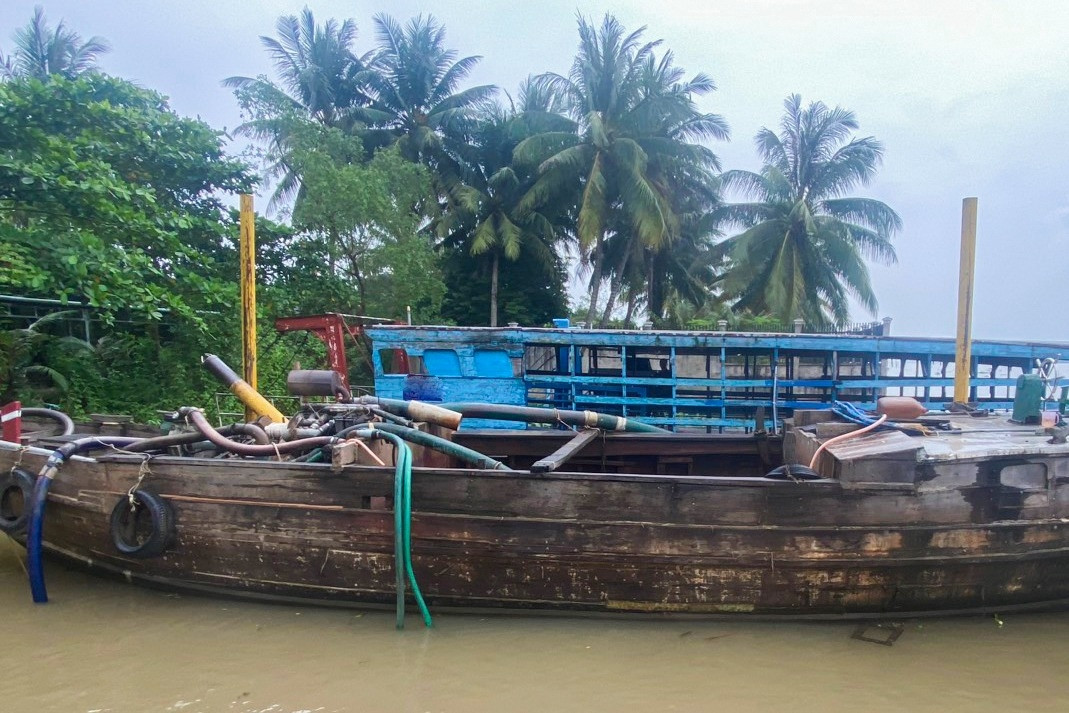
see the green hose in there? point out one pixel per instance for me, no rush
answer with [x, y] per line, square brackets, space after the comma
[442, 445]
[402, 521]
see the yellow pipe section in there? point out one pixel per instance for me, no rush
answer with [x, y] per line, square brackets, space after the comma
[248, 303]
[255, 404]
[966, 275]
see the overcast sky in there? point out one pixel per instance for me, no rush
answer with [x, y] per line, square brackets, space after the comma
[968, 98]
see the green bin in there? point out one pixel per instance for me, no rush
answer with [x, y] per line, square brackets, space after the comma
[1028, 401]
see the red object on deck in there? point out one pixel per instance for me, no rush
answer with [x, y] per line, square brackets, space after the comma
[331, 329]
[11, 420]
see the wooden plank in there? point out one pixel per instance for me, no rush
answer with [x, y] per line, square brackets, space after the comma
[565, 453]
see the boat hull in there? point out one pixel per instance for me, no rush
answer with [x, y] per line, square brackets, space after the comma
[575, 542]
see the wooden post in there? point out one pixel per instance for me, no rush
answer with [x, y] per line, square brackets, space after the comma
[966, 275]
[248, 295]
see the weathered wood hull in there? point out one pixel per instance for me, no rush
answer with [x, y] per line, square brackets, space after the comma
[586, 542]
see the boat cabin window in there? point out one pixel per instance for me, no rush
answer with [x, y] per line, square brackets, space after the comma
[441, 362]
[398, 361]
[652, 363]
[495, 364]
[545, 359]
[600, 361]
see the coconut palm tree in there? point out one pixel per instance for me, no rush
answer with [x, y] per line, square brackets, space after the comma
[317, 80]
[414, 83]
[417, 103]
[41, 51]
[803, 248]
[497, 227]
[621, 97]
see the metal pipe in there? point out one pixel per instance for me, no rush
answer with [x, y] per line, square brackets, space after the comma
[196, 417]
[966, 275]
[62, 418]
[415, 410]
[185, 438]
[588, 419]
[244, 392]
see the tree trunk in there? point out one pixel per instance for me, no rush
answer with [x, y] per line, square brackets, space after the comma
[632, 304]
[595, 286]
[493, 291]
[354, 270]
[614, 289]
[610, 304]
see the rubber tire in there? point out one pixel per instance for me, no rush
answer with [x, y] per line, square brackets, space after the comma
[16, 479]
[161, 520]
[797, 472]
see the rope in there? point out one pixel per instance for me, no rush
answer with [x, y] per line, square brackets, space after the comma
[18, 457]
[142, 471]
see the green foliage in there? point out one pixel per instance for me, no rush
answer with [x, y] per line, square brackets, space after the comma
[529, 292]
[107, 195]
[361, 217]
[28, 369]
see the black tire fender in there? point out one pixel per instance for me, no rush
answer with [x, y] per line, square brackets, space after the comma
[794, 471]
[16, 484]
[134, 537]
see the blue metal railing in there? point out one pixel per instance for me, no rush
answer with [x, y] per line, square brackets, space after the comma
[707, 379]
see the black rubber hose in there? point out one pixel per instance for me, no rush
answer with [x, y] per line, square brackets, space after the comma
[528, 414]
[63, 419]
[392, 418]
[414, 410]
[249, 429]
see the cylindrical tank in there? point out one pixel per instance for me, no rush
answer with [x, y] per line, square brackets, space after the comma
[314, 382]
[900, 408]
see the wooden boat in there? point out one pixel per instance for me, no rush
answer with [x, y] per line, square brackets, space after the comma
[975, 518]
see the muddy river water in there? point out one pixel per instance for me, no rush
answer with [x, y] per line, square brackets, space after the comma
[104, 646]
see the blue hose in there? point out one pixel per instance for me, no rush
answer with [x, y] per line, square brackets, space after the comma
[35, 530]
[34, 566]
[852, 413]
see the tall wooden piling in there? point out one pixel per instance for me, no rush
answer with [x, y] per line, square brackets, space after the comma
[248, 295]
[966, 275]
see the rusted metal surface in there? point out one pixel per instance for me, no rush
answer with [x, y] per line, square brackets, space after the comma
[949, 531]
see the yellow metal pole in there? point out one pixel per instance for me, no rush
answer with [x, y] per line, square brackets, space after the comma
[248, 295]
[966, 274]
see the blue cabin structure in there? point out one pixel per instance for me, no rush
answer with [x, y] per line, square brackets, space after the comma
[682, 380]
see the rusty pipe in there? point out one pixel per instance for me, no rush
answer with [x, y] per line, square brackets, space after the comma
[196, 417]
